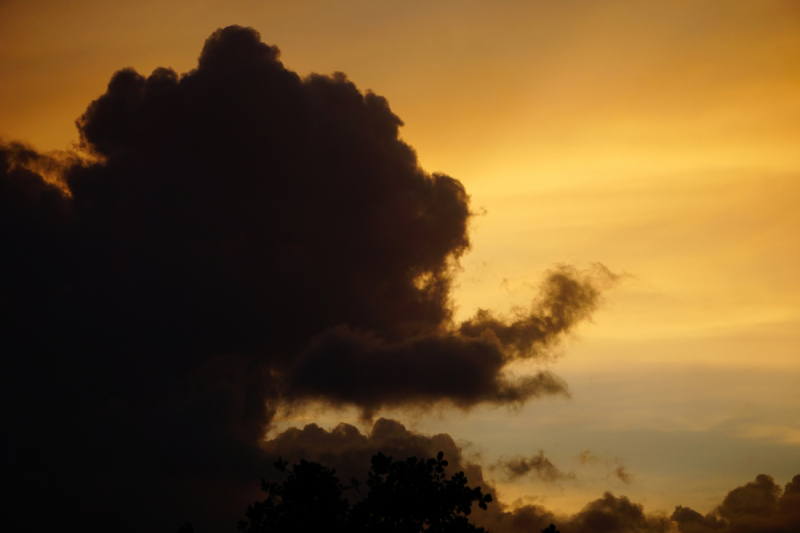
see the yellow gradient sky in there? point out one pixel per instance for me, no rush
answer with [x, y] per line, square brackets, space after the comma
[660, 138]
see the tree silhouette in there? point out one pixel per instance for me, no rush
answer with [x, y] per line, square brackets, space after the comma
[407, 496]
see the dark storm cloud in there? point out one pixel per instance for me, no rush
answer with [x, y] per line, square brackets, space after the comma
[539, 465]
[347, 367]
[463, 365]
[238, 238]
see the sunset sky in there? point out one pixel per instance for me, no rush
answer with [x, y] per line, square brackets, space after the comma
[659, 139]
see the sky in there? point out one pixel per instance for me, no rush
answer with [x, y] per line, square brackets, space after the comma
[638, 160]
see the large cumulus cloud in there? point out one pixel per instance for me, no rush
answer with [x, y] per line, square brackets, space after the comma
[232, 239]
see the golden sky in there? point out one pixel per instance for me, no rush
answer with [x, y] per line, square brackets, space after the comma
[661, 139]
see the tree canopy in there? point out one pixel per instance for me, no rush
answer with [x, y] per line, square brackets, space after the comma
[406, 496]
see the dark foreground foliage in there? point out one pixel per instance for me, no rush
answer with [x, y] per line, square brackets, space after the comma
[403, 496]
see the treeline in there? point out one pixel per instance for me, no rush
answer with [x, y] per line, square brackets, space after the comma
[406, 496]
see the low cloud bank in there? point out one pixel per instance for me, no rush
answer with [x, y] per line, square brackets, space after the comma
[756, 507]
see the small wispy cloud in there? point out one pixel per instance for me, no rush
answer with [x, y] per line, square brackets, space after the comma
[619, 470]
[537, 465]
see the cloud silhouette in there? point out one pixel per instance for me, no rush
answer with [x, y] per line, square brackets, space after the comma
[611, 513]
[541, 466]
[347, 450]
[230, 240]
[757, 506]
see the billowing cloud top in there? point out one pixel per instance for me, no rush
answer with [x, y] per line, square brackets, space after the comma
[238, 239]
